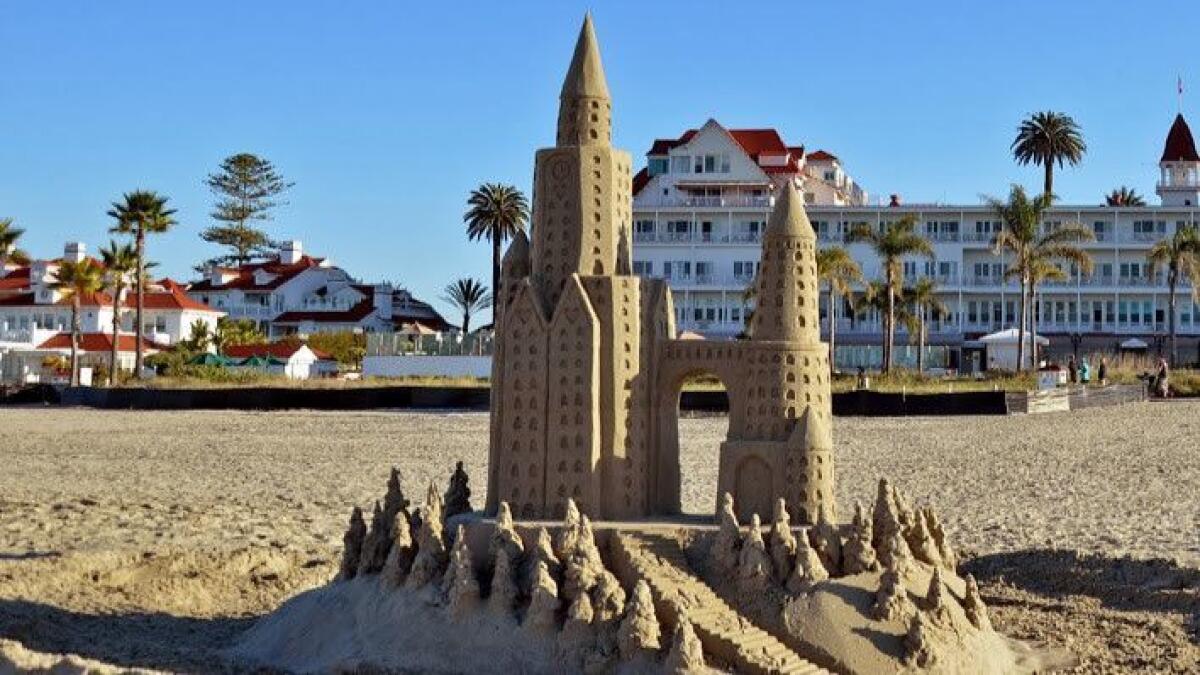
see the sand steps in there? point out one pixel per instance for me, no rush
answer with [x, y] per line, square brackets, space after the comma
[725, 633]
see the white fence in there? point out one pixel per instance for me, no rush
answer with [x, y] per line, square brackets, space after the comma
[420, 365]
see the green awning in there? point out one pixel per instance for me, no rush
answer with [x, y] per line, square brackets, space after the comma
[207, 359]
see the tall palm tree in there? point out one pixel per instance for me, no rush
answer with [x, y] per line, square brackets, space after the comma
[874, 297]
[837, 268]
[76, 281]
[1048, 138]
[1041, 269]
[923, 303]
[141, 213]
[495, 213]
[9, 236]
[1181, 255]
[1124, 196]
[892, 243]
[467, 296]
[120, 263]
[1021, 217]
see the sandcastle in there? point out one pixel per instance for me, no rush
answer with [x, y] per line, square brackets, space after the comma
[586, 381]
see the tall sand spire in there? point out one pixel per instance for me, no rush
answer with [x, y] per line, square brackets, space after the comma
[584, 105]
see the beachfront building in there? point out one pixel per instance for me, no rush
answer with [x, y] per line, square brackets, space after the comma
[35, 318]
[293, 360]
[298, 294]
[701, 231]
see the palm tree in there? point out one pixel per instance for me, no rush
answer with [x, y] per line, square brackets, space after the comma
[892, 243]
[1181, 255]
[1048, 138]
[9, 236]
[1040, 270]
[838, 269]
[236, 332]
[142, 212]
[923, 303]
[1124, 196]
[120, 263]
[467, 296]
[874, 297]
[495, 213]
[1021, 218]
[75, 281]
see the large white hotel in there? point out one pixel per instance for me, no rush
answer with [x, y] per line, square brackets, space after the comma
[702, 201]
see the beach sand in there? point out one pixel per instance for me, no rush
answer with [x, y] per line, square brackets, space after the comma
[153, 540]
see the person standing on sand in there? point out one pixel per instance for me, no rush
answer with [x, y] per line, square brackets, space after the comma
[1102, 376]
[1072, 370]
[1162, 388]
[1085, 371]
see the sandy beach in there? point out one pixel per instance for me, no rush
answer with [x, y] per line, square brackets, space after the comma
[152, 540]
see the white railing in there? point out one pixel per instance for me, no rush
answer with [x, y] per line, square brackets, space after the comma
[708, 202]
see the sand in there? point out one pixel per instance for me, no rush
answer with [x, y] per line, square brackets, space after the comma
[154, 540]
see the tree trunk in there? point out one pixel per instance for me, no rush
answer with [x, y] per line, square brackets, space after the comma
[141, 302]
[1172, 281]
[1021, 325]
[1033, 328]
[889, 328]
[466, 327]
[495, 270]
[75, 340]
[113, 367]
[832, 331]
[920, 341]
[1048, 183]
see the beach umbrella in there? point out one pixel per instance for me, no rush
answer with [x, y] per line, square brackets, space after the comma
[207, 359]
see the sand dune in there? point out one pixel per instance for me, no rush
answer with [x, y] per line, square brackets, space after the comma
[152, 539]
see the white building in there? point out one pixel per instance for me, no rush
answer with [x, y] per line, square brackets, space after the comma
[35, 318]
[700, 230]
[301, 295]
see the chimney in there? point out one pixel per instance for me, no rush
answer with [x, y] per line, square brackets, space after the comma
[291, 252]
[383, 301]
[75, 251]
[894, 200]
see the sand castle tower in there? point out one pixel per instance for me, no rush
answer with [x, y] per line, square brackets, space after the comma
[587, 371]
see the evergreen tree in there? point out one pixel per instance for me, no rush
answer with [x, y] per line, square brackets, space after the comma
[247, 188]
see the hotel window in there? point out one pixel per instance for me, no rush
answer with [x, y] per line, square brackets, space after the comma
[643, 268]
[1010, 311]
[678, 227]
[712, 163]
[1123, 312]
[735, 314]
[910, 268]
[657, 165]
[704, 268]
[677, 269]
[681, 164]
[830, 176]
[744, 269]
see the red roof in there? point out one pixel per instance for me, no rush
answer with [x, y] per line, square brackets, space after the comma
[640, 179]
[99, 342]
[353, 315]
[1179, 146]
[244, 280]
[17, 279]
[755, 142]
[279, 350]
[822, 156]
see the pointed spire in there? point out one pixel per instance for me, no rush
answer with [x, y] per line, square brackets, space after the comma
[789, 217]
[585, 108]
[585, 77]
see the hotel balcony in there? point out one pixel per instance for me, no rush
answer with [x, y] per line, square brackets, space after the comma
[731, 202]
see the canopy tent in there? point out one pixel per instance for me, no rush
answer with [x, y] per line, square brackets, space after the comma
[1001, 348]
[1134, 345]
[208, 359]
[256, 362]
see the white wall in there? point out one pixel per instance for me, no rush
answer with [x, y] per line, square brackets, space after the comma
[427, 366]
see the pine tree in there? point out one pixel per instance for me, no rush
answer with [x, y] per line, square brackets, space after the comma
[247, 188]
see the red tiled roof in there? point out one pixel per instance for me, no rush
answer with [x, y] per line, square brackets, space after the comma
[1179, 146]
[279, 350]
[99, 342]
[15, 280]
[755, 142]
[822, 156]
[640, 179]
[245, 275]
[353, 315]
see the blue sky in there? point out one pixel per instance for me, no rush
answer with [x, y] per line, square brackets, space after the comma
[386, 114]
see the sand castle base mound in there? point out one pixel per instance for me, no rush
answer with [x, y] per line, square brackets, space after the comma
[837, 619]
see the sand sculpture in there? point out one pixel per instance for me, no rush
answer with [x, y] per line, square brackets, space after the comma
[586, 381]
[587, 371]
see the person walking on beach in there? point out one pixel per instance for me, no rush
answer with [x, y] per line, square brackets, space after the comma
[1085, 372]
[1162, 387]
[1102, 375]
[1072, 370]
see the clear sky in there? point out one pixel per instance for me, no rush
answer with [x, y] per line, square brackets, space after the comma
[386, 114]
